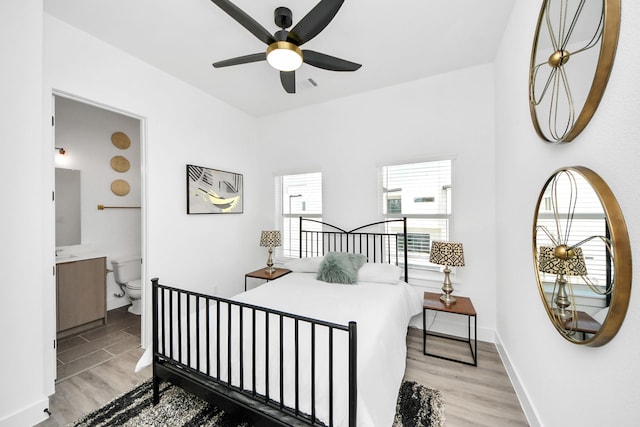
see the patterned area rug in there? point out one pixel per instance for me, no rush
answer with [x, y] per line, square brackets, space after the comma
[418, 406]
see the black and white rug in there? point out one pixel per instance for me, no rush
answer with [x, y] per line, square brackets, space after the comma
[418, 406]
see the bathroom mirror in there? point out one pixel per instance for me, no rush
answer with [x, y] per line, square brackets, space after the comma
[582, 256]
[572, 55]
[68, 216]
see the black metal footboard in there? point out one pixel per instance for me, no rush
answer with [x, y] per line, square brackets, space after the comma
[273, 366]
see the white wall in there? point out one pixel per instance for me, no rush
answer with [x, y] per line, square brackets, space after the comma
[183, 125]
[25, 263]
[84, 131]
[566, 384]
[349, 138]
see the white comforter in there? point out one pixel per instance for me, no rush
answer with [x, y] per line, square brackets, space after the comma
[382, 312]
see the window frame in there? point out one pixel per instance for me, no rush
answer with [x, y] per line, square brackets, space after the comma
[424, 270]
[286, 251]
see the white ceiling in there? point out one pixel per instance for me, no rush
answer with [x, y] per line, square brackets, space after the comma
[395, 41]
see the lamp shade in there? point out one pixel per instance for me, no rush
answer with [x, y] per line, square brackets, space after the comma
[548, 262]
[270, 239]
[447, 253]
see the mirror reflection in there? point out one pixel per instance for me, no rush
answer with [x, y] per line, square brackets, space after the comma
[574, 255]
[67, 198]
[564, 61]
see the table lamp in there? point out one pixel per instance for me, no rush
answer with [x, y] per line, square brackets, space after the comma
[562, 261]
[447, 254]
[270, 239]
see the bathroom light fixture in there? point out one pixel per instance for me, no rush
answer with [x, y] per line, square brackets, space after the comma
[284, 56]
[61, 151]
[270, 239]
[447, 254]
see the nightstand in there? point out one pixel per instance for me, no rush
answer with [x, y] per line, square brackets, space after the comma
[583, 323]
[262, 274]
[463, 306]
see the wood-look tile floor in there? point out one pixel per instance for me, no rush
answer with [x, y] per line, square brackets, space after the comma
[95, 366]
[474, 396]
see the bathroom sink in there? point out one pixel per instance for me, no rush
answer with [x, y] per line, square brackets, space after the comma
[65, 256]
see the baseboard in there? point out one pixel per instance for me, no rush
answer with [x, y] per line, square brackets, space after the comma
[527, 408]
[28, 416]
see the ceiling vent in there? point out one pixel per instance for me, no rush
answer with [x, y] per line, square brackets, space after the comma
[308, 83]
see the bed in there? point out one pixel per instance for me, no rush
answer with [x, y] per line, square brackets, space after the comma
[298, 350]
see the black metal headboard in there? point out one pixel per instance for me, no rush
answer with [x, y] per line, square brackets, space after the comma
[377, 246]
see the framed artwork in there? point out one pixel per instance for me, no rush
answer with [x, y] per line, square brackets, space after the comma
[211, 191]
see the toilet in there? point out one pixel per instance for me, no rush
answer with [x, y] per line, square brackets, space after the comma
[126, 272]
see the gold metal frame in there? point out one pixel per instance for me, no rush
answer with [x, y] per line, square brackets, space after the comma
[284, 45]
[609, 42]
[622, 263]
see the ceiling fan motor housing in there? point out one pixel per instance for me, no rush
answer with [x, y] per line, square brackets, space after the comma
[283, 17]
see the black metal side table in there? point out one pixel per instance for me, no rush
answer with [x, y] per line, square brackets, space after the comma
[462, 306]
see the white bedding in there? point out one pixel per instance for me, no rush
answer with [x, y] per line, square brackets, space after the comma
[382, 311]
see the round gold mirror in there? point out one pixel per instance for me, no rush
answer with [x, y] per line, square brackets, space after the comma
[571, 59]
[582, 256]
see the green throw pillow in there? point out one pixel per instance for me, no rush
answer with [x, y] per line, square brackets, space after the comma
[340, 267]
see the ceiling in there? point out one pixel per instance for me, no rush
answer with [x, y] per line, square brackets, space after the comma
[395, 41]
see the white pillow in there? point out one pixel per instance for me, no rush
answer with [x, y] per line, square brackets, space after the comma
[379, 273]
[304, 265]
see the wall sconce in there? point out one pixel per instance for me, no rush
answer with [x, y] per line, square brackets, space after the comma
[61, 151]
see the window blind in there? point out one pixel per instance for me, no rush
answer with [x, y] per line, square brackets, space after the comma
[422, 193]
[301, 195]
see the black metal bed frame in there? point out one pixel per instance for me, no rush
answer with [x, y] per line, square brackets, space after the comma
[177, 318]
[376, 246]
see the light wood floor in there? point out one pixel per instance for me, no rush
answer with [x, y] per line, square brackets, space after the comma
[474, 396]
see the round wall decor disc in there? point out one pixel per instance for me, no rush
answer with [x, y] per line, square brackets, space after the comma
[120, 164]
[120, 187]
[121, 140]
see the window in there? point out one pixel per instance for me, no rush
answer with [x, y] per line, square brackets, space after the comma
[422, 193]
[417, 242]
[300, 195]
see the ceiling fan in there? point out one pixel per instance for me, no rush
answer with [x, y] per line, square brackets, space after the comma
[283, 47]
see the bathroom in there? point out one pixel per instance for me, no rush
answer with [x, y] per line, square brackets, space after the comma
[109, 170]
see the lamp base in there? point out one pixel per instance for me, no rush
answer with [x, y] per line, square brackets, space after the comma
[448, 299]
[563, 302]
[270, 268]
[447, 288]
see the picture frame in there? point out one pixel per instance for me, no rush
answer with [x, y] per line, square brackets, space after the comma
[214, 191]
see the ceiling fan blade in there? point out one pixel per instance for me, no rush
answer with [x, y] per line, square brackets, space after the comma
[328, 62]
[245, 20]
[288, 79]
[254, 57]
[314, 21]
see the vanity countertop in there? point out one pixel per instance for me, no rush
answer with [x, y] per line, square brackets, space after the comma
[79, 256]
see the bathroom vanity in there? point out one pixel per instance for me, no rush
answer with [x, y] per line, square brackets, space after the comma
[81, 291]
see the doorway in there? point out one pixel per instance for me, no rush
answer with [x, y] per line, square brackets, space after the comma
[104, 148]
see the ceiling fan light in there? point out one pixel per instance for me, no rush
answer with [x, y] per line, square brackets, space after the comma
[284, 56]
